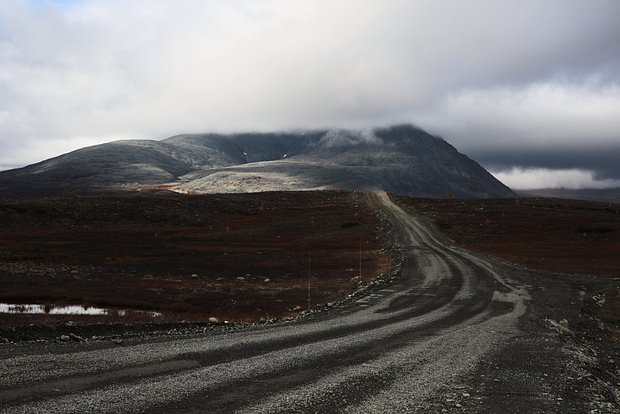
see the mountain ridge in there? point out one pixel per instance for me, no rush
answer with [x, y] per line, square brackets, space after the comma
[603, 195]
[401, 159]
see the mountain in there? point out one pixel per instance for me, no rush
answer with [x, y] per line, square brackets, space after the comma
[608, 195]
[400, 159]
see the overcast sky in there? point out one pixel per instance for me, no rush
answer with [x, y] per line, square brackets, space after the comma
[531, 89]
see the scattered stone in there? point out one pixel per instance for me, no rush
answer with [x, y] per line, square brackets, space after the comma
[75, 337]
[213, 319]
[117, 341]
[195, 276]
[267, 280]
[561, 328]
[65, 338]
[297, 308]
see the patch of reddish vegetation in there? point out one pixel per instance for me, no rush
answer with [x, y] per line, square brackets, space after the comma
[240, 257]
[554, 235]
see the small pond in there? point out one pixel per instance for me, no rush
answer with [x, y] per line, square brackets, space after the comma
[68, 310]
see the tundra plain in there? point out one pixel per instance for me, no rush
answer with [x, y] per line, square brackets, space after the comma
[440, 321]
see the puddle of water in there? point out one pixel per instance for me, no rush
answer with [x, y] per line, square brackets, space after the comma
[67, 310]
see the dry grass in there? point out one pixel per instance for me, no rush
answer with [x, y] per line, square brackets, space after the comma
[141, 252]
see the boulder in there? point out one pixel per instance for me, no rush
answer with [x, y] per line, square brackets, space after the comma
[75, 337]
[559, 326]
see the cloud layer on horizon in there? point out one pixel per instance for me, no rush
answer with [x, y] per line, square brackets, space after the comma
[500, 80]
[538, 178]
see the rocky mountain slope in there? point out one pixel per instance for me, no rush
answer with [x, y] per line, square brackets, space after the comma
[400, 159]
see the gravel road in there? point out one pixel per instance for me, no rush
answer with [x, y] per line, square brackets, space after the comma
[455, 332]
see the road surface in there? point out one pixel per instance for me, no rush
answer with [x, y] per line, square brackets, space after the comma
[444, 336]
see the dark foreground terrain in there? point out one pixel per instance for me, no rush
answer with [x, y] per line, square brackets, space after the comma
[455, 331]
[167, 257]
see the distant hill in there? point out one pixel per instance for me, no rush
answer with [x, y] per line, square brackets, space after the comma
[609, 195]
[400, 159]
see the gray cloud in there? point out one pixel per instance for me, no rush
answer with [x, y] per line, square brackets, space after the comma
[507, 82]
[603, 159]
[537, 178]
[339, 137]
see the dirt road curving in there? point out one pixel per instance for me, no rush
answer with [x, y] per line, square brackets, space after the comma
[455, 331]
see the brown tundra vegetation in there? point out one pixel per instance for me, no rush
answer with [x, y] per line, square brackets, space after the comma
[238, 257]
